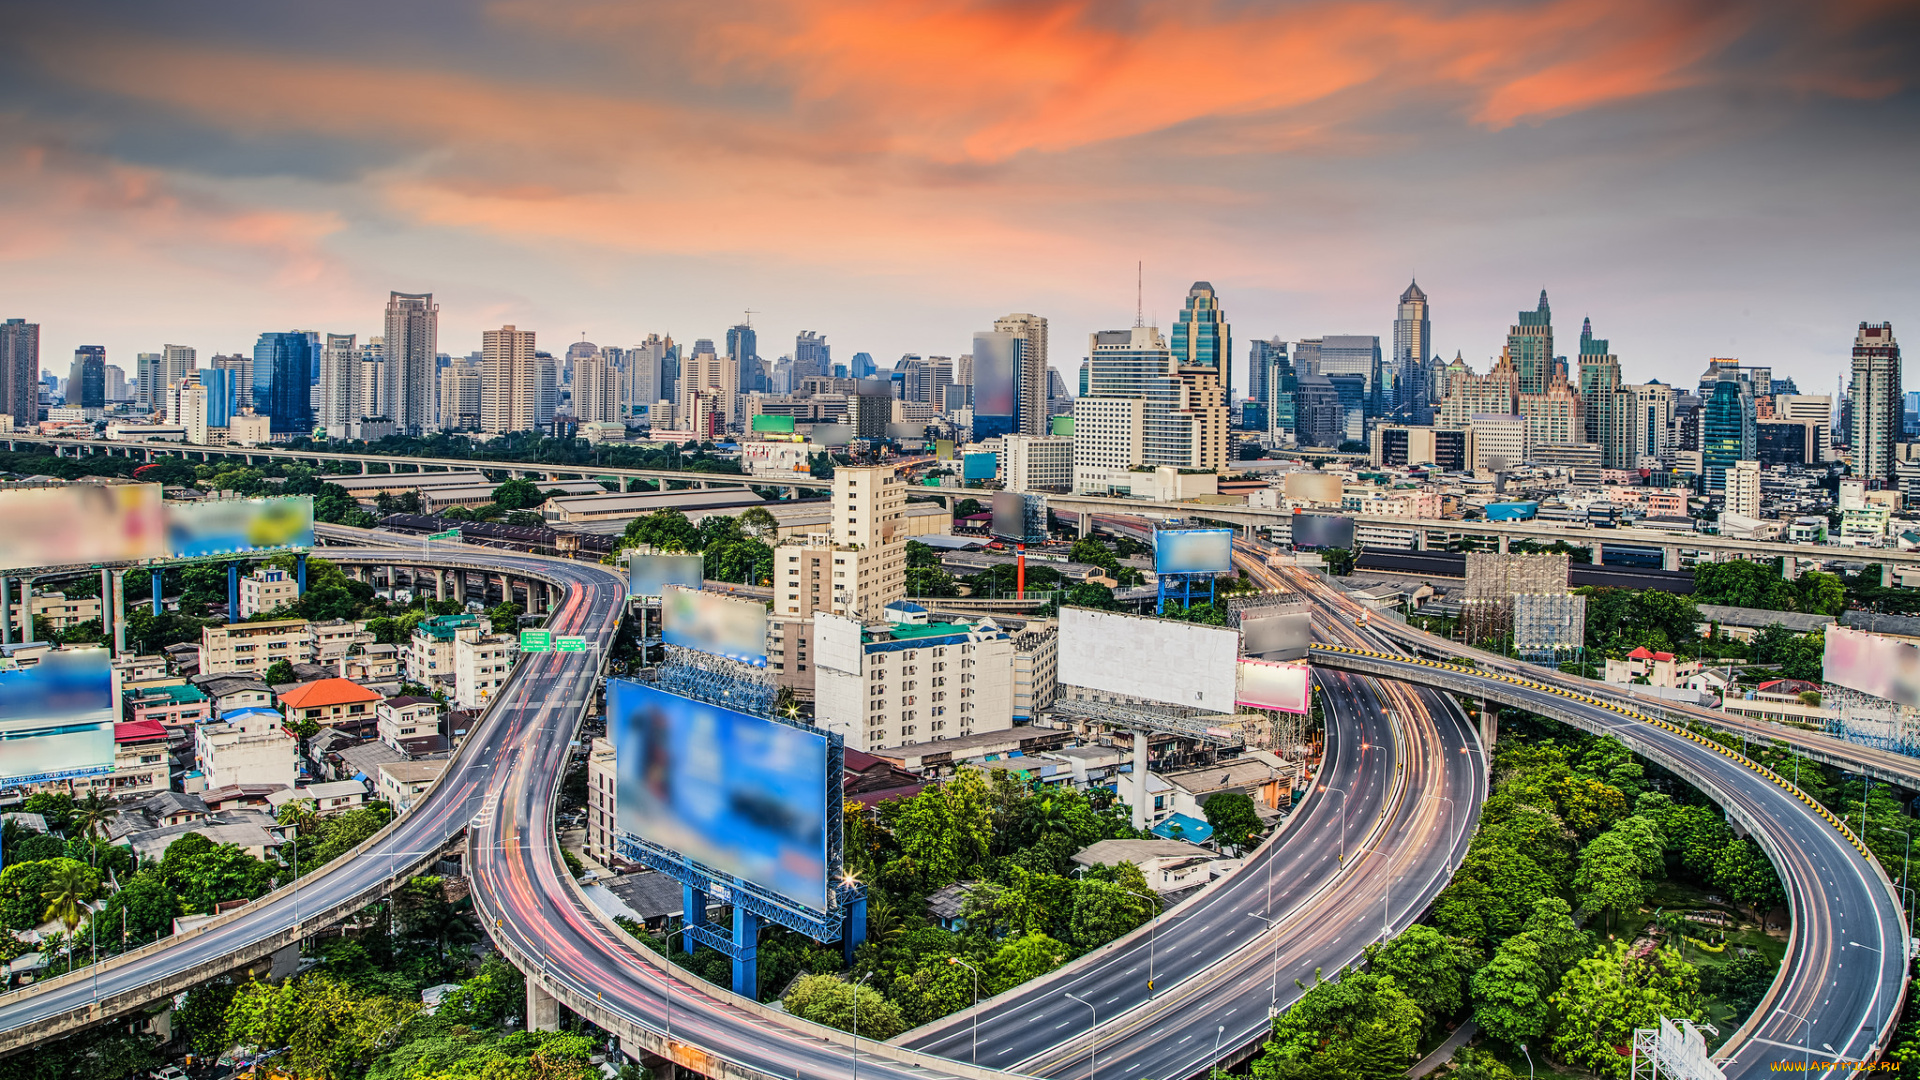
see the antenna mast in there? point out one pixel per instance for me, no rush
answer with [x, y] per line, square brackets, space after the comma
[1139, 274]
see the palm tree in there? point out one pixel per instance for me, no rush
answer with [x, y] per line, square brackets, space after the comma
[89, 817]
[67, 893]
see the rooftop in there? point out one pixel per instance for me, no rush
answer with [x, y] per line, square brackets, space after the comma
[326, 692]
[1115, 852]
[139, 731]
[1183, 827]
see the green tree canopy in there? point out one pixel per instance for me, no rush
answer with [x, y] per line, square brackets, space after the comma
[1430, 967]
[1363, 1025]
[831, 1000]
[1231, 813]
[1606, 996]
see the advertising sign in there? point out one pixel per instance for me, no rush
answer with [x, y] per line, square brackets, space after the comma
[979, 466]
[1178, 663]
[56, 718]
[1322, 531]
[649, 575]
[1192, 551]
[82, 523]
[943, 449]
[780, 424]
[1871, 664]
[740, 794]
[712, 623]
[830, 435]
[1265, 685]
[226, 526]
[995, 373]
[1019, 517]
[1277, 637]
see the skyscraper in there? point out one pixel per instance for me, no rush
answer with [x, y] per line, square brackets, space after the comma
[1359, 354]
[1530, 348]
[239, 367]
[1412, 342]
[742, 343]
[20, 373]
[1030, 371]
[116, 383]
[177, 362]
[87, 384]
[149, 392]
[709, 385]
[340, 386]
[1875, 395]
[1260, 367]
[811, 356]
[460, 394]
[412, 342]
[222, 394]
[546, 389]
[1202, 337]
[576, 352]
[1727, 433]
[1270, 370]
[509, 384]
[645, 382]
[862, 367]
[283, 364]
[596, 389]
[1608, 419]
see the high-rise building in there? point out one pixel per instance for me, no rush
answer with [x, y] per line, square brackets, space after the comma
[1608, 408]
[1261, 357]
[412, 345]
[177, 362]
[596, 389]
[644, 384]
[1030, 414]
[1202, 337]
[1530, 348]
[223, 396]
[861, 368]
[576, 352]
[1470, 395]
[1182, 420]
[1743, 489]
[1412, 342]
[811, 356]
[1815, 409]
[116, 383]
[1875, 394]
[20, 373]
[239, 368]
[340, 386]
[1653, 412]
[856, 568]
[1280, 383]
[87, 384]
[1727, 433]
[187, 406]
[1359, 354]
[283, 366]
[149, 391]
[373, 381]
[1319, 419]
[709, 390]
[460, 393]
[546, 390]
[509, 383]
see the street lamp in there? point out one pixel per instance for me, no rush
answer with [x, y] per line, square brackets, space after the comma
[976, 1004]
[1449, 802]
[1093, 1045]
[1152, 933]
[684, 927]
[1876, 991]
[1221, 1030]
[856, 1023]
[1523, 1049]
[1806, 1036]
[1343, 817]
[1273, 999]
[1905, 860]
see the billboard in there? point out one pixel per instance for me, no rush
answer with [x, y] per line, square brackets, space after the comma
[225, 526]
[1178, 663]
[907, 432]
[777, 424]
[56, 718]
[1019, 517]
[1322, 531]
[740, 794]
[81, 523]
[995, 373]
[1283, 687]
[714, 623]
[1277, 637]
[830, 435]
[979, 466]
[1192, 551]
[649, 575]
[943, 449]
[1871, 664]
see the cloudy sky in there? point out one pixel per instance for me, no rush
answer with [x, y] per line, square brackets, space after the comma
[1702, 179]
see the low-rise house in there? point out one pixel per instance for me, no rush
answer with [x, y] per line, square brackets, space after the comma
[1744, 624]
[1170, 866]
[254, 646]
[403, 782]
[1657, 668]
[240, 797]
[869, 780]
[336, 702]
[410, 724]
[247, 746]
[947, 908]
[362, 761]
[332, 797]
[230, 692]
[180, 705]
[141, 765]
[333, 640]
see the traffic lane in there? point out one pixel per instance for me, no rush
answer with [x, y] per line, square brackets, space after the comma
[1836, 1008]
[1295, 868]
[1248, 986]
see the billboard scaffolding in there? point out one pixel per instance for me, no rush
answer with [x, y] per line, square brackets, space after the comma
[1183, 558]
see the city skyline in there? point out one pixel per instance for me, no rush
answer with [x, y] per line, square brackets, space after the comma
[1672, 171]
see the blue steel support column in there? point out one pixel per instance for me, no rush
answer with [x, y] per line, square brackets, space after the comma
[693, 908]
[159, 578]
[853, 930]
[746, 945]
[300, 574]
[233, 592]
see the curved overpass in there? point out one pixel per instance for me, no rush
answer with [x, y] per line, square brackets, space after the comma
[1845, 969]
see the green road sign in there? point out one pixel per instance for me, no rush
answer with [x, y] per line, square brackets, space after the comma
[450, 534]
[571, 644]
[536, 641]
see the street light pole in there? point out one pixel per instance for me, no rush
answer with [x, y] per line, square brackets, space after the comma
[1876, 992]
[856, 1023]
[1273, 999]
[1806, 1037]
[1152, 933]
[1093, 1045]
[1214, 1071]
[1343, 817]
[976, 1004]
[1524, 1050]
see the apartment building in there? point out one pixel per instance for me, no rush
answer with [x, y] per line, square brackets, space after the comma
[410, 724]
[254, 646]
[895, 683]
[1036, 668]
[857, 565]
[428, 660]
[267, 589]
[481, 664]
[601, 801]
[247, 746]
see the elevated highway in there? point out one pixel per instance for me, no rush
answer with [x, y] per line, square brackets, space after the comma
[1843, 982]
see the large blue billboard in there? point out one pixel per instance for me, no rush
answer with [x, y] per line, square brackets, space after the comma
[740, 794]
[714, 623]
[1193, 551]
[979, 466]
[56, 718]
[230, 526]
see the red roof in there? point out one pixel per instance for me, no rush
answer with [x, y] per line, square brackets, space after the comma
[1641, 653]
[324, 692]
[139, 731]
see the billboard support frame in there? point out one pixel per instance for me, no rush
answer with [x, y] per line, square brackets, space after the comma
[729, 685]
[1184, 589]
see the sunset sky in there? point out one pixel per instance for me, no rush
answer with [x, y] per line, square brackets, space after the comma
[1702, 179]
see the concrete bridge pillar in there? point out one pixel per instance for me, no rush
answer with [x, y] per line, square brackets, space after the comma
[1886, 575]
[1086, 523]
[460, 586]
[118, 598]
[1503, 543]
[1489, 724]
[543, 1009]
[1670, 557]
[439, 585]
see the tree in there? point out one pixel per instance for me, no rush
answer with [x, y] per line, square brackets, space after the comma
[1339, 560]
[1510, 994]
[1431, 967]
[33, 847]
[1232, 816]
[1028, 956]
[143, 909]
[1363, 1025]
[22, 888]
[329, 1032]
[1471, 1064]
[69, 888]
[758, 523]
[504, 617]
[1613, 875]
[1743, 583]
[1744, 872]
[665, 529]
[831, 1000]
[518, 494]
[279, 672]
[1105, 911]
[492, 995]
[1606, 996]
[208, 875]
[945, 831]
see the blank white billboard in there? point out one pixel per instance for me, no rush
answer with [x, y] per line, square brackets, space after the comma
[1872, 664]
[1177, 663]
[1275, 686]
